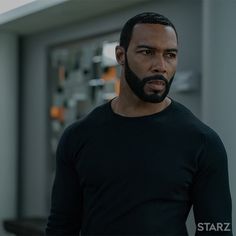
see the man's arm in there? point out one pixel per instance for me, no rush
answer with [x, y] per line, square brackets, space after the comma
[66, 203]
[211, 194]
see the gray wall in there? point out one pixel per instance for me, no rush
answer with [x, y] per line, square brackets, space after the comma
[186, 14]
[8, 125]
[219, 83]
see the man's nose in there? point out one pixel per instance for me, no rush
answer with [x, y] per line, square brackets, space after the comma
[159, 64]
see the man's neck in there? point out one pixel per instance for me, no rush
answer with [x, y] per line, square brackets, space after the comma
[134, 107]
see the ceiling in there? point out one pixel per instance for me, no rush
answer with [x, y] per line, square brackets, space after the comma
[63, 13]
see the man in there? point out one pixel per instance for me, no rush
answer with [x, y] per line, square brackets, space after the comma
[136, 165]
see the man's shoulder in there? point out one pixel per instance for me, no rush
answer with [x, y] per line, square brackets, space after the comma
[191, 121]
[95, 118]
[184, 114]
[75, 135]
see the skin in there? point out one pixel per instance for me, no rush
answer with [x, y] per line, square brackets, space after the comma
[152, 50]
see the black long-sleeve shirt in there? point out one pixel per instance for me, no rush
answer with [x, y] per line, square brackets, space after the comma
[120, 175]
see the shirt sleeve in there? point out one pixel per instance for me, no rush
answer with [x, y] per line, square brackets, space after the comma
[211, 194]
[66, 202]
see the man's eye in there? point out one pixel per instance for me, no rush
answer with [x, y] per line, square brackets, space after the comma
[147, 52]
[171, 55]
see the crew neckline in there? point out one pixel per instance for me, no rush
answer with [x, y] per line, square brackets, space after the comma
[156, 114]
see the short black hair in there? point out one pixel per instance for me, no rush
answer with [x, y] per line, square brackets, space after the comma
[142, 18]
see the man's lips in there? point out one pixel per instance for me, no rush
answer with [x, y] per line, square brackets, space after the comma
[156, 85]
[158, 82]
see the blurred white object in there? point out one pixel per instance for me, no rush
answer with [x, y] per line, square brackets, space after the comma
[108, 54]
[186, 81]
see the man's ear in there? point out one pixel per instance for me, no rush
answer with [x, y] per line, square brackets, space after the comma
[120, 55]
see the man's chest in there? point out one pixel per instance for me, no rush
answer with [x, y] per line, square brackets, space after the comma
[151, 165]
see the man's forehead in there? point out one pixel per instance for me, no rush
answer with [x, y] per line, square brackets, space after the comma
[153, 27]
[150, 33]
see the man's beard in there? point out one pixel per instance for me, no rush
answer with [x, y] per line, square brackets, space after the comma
[137, 85]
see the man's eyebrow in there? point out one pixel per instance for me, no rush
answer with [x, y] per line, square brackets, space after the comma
[172, 50]
[145, 46]
[153, 48]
